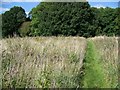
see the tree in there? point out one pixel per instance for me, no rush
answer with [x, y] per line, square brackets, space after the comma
[11, 21]
[66, 18]
[0, 26]
[106, 21]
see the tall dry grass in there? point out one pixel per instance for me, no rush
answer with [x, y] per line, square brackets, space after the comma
[107, 48]
[42, 61]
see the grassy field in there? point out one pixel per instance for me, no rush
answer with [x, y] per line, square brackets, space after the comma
[59, 62]
[108, 51]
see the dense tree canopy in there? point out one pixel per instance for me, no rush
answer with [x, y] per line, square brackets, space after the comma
[73, 19]
[64, 18]
[106, 21]
[11, 21]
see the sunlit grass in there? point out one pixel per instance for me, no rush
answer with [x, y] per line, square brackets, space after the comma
[42, 62]
[107, 48]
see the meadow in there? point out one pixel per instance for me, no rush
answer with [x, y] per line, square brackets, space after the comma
[59, 62]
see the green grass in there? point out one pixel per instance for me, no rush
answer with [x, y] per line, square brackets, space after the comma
[108, 52]
[94, 72]
[59, 62]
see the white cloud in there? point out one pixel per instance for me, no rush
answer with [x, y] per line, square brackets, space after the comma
[3, 9]
[99, 6]
[27, 13]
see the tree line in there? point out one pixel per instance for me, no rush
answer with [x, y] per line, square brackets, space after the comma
[61, 19]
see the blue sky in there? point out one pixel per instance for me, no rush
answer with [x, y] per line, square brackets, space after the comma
[26, 5]
[29, 5]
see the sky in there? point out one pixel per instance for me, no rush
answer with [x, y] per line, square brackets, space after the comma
[7, 4]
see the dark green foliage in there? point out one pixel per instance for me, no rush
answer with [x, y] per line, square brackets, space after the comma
[118, 10]
[11, 21]
[71, 19]
[64, 18]
[106, 21]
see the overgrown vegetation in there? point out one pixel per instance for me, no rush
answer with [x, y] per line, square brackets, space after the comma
[57, 62]
[108, 51]
[43, 62]
[60, 62]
